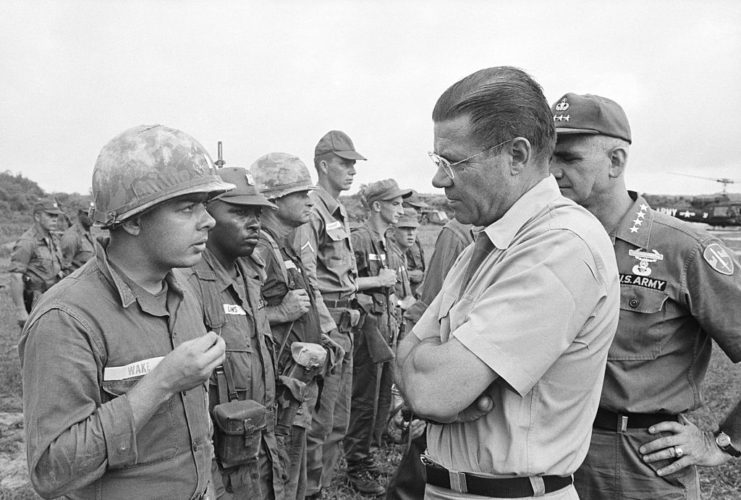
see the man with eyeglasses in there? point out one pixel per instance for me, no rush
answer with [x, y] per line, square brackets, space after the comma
[507, 362]
[677, 282]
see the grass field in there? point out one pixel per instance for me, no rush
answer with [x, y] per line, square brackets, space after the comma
[721, 388]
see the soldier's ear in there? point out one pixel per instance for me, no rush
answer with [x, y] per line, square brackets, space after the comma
[618, 161]
[376, 206]
[133, 225]
[322, 167]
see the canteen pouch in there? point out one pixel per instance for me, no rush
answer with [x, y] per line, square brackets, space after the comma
[238, 427]
[372, 330]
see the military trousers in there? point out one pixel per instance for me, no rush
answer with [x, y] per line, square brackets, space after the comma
[614, 470]
[367, 378]
[330, 420]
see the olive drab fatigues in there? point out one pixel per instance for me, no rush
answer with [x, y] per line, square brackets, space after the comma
[680, 287]
[77, 246]
[39, 259]
[326, 252]
[234, 309]
[372, 370]
[284, 272]
[415, 261]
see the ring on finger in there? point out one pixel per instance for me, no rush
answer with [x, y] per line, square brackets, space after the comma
[678, 451]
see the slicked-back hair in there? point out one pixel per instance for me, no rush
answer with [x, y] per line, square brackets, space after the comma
[502, 103]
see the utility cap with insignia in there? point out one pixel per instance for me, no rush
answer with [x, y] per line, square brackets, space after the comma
[409, 219]
[48, 206]
[280, 174]
[590, 114]
[339, 143]
[384, 190]
[246, 192]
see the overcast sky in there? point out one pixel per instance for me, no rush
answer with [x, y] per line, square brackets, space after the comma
[275, 76]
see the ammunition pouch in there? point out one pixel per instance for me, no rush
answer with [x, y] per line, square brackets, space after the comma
[345, 319]
[238, 425]
[335, 353]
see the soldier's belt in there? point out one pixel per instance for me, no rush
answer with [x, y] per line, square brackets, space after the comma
[338, 304]
[619, 422]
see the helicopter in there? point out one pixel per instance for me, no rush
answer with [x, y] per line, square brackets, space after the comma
[719, 210]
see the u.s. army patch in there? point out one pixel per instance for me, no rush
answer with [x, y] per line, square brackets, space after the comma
[718, 258]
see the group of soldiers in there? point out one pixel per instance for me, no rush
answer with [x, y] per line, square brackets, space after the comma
[233, 336]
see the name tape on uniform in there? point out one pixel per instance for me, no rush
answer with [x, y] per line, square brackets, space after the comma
[234, 309]
[132, 370]
[334, 225]
[645, 282]
[373, 256]
[289, 264]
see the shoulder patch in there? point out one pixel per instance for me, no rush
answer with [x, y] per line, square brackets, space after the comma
[718, 258]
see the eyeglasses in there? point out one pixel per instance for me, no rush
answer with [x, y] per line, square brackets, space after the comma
[447, 167]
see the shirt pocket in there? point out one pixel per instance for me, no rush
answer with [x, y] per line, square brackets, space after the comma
[335, 250]
[639, 335]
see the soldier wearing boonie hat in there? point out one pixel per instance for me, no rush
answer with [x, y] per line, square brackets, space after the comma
[327, 255]
[36, 262]
[228, 281]
[676, 283]
[115, 356]
[380, 268]
[290, 303]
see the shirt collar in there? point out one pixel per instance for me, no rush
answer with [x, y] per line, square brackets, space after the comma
[635, 226]
[329, 202]
[119, 281]
[502, 232]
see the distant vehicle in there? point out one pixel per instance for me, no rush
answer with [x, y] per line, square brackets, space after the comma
[432, 216]
[715, 210]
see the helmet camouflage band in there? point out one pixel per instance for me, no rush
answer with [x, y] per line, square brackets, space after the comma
[145, 166]
[280, 174]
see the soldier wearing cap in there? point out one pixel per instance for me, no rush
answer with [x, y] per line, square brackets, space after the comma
[327, 255]
[379, 270]
[36, 262]
[676, 283]
[498, 359]
[290, 303]
[405, 236]
[114, 358]
[227, 281]
[77, 244]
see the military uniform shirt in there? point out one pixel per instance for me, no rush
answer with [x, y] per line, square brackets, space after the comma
[680, 288]
[77, 246]
[327, 253]
[37, 256]
[540, 311]
[86, 344]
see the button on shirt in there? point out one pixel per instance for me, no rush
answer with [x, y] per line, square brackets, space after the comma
[327, 253]
[87, 343]
[680, 287]
[541, 312]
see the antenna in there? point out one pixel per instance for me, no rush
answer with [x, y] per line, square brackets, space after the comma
[220, 162]
[723, 180]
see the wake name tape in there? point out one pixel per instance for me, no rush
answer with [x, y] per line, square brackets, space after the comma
[132, 370]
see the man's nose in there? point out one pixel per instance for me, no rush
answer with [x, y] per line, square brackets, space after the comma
[441, 179]
[556, 171]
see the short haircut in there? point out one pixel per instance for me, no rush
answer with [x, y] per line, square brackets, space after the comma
[503, 103]
[318, 159]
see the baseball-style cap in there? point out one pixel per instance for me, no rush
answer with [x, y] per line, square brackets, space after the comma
[339, 143]
[409, 219]
[246, 192]
[590, 114]
[48, 206]
[384, 190]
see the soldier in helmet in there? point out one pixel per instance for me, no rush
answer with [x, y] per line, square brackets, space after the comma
[114, 358]
[36, 262]
[291, 307]
[227, 280]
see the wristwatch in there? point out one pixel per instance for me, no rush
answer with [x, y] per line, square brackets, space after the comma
[723, 441]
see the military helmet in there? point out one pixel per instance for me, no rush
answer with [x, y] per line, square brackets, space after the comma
[280, 174]
[145, 166]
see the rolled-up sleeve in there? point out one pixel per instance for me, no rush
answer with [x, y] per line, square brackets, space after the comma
[72, 435]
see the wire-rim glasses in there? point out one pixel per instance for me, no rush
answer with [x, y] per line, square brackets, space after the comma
[444, 163]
